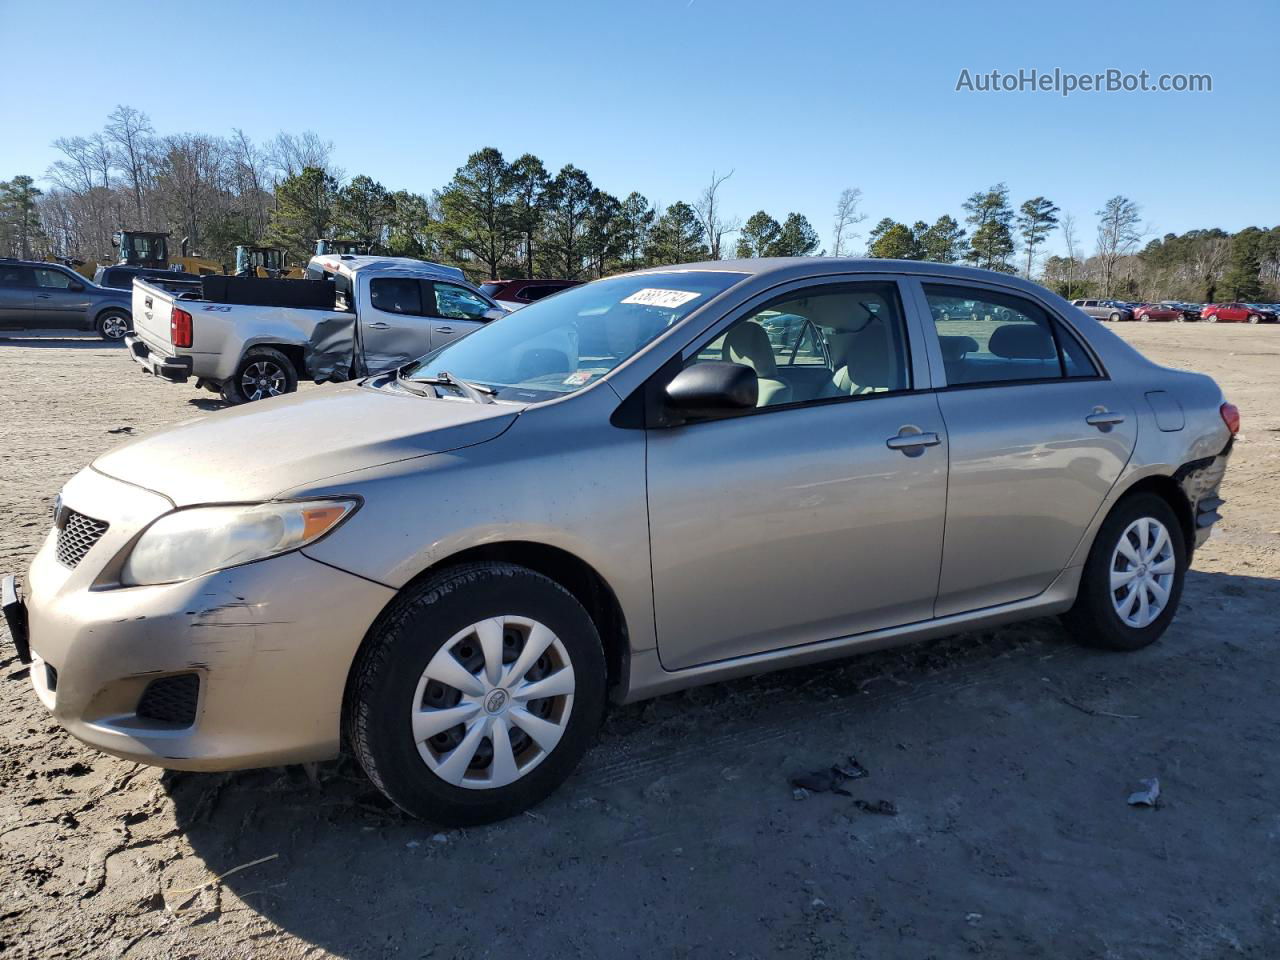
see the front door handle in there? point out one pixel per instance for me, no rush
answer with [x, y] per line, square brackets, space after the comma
[1104, 419]
[444, 329]
[379, 325]
[42, 296]
[913, 444]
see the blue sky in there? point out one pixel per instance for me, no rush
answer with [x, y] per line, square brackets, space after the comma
[800, 99]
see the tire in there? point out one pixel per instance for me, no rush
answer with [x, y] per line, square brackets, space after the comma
[393, 685]
[1145, 318]
[1095, 619]
[112, 325]
[1211, 318]
[1254, 318]
[263, 372]
[1114, 318]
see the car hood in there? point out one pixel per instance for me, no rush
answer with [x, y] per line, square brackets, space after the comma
[259, 450]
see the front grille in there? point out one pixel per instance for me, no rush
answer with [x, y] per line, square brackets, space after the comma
[76, 536]
[171, 699]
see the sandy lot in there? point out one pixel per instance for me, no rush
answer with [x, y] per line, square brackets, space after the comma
[1007, 755]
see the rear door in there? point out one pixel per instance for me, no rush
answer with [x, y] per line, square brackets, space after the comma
[1038, 436]
[820, 513]
[394, 326]
[16, 296]
[58, 305]
[455, 311]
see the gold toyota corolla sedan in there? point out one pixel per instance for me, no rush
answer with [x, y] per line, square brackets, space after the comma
[655, 480]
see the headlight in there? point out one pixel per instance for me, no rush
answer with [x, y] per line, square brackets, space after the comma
[192, 542]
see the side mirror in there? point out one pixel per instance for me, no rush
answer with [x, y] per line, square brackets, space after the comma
[712, 389]
[75, 285]
[497, 313]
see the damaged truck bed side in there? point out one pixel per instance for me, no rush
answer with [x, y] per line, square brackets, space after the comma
[249, 338]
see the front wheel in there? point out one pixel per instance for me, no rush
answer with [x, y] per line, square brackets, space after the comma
[476, 694]
[113, 326]
[1254, 318]
[263, 372]
[1132, 581]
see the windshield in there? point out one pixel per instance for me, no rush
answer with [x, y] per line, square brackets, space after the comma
[561, 344]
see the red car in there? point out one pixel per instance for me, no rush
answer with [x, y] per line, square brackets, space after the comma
[514, 294]
[1156, 311]
[1236, 313]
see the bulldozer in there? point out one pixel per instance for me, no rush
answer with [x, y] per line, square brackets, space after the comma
[256, 261]
[149, 248]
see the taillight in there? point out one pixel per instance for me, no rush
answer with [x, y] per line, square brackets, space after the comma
[1231, 417]
[180, 328]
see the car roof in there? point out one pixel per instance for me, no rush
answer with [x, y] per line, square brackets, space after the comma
[350, 264]
[781, 269]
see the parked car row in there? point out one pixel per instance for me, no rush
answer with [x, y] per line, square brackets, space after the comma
[657, 480]
[1178, 311]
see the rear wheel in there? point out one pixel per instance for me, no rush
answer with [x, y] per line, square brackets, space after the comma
[1132, 581]
[476, 694]
[263, 372]
[113, 325]
[1114, 318]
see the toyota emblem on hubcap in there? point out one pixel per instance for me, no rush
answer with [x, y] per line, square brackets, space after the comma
[495, 701]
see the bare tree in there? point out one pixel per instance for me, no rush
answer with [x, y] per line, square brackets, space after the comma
[131, 133]
[848, 216]
[251, 181]
[291, 153]
[1118, 233]
[709, 213]
[1068, 226]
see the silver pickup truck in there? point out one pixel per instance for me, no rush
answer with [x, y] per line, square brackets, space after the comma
[250, 338]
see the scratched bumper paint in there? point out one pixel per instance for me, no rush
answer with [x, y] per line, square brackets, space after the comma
[271, 642]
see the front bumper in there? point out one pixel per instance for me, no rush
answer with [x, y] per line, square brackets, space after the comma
[270, 642]
[173, 369]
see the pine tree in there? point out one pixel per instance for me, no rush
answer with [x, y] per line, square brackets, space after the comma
[1036, 219]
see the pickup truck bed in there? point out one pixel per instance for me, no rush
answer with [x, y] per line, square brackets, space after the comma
[229, 315]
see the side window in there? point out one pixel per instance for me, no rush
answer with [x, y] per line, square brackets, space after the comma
[51, 279]
[458, 303]
[833, 343]
[991, 337]
[13, 277]
[396, 295]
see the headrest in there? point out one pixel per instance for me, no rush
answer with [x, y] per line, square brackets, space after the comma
[954, 347]
[870, 357]
[749, 343]
[1021, 341]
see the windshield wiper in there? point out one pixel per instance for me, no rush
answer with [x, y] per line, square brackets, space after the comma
[472, 391]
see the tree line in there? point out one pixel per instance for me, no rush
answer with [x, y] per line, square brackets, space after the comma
[507, 218]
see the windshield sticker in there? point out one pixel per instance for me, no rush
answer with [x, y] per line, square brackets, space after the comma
[579, 378]
[654, 297]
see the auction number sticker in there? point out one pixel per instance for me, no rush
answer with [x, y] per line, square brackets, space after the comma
[656, 297]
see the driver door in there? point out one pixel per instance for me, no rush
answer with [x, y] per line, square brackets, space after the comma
[820, 513]
[456, 311]
[58, 305]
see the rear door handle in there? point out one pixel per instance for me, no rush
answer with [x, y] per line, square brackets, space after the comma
[912, 442]
[379, 325]
[1104, 419]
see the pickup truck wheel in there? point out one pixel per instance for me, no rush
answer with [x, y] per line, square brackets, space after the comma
[113, 325]
[476, 694]
[1132, 581]
[263, 372]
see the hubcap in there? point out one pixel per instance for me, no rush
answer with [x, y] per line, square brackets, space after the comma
[262, 379]
[1142, 568]
[493, 702]
[115, 327]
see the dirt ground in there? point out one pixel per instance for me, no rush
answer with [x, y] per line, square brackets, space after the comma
[1007, 756]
